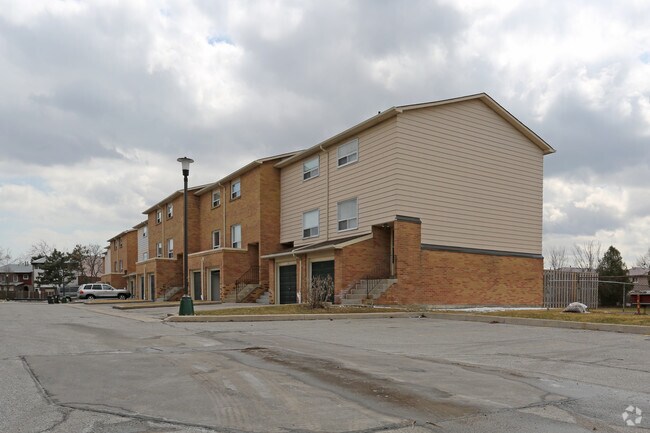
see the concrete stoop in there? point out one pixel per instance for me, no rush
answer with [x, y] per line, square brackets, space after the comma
[358, 295]
[173, 294]
[244, 293]
[264, 299]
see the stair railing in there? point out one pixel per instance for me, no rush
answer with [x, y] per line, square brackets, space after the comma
[378, 274]
[251, 276]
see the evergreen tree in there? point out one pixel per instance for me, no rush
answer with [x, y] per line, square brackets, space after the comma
[612, 269]
[58, 269]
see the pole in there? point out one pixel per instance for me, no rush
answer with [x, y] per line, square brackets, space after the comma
[186, 307]
[185, 283]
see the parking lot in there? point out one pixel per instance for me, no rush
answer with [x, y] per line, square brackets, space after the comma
[72, 367]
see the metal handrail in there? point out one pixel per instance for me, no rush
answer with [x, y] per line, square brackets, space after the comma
[378, 274]
[251, 276]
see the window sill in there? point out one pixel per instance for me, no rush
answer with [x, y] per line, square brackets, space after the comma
[235, 198]
[346, 164]
[348, 230]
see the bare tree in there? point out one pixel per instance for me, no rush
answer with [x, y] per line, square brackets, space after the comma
[644, 260]
[40, 249]
[587, 256]
[5, 256]
[94, 260]
[557, 257]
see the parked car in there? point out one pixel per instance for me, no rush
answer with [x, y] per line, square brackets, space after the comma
[92, 291]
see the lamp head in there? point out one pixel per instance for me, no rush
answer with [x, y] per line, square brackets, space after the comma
[185, 162]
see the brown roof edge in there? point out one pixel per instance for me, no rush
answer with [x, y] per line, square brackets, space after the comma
[394, 111]
[171, 197]
[121, 234]
[244, 169]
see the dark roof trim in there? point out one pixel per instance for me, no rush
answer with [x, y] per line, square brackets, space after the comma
[408, 219]
[430, 247]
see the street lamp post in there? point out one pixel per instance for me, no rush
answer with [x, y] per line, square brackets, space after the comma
[186, 307]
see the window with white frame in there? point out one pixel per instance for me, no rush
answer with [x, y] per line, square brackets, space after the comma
[120, 242]
[170, 248]
[310, 223]
[144, 231]
[310, 168]
[158, 216]
[15, 278]
[347, 214]
[216, 198]
[235, 235]
[121, 265]
[145, 256]
[348, 153]
[25, 276]
[170, 210]
[235, 189]
[216, 239]
[159, 249]
[115, 266]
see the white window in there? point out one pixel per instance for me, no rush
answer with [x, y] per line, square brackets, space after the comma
[235, 189]
[310, 222]
[158, 216]
[310, 168]
[120, 242]
[170, 210]
[15, 278]
[25, 276]
[144, 231]
[216, 198]
[348, 153]
[170, 248]
[121, 265]
[216, 239]
[159, 249]
[145, 256]
[347, 214]
[235, 235]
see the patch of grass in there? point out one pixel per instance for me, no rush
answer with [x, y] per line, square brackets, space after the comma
[604, 315]
[293, 309]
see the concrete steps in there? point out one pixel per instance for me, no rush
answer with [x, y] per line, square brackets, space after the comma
[243, 293]
[264, 299]
[358, 295]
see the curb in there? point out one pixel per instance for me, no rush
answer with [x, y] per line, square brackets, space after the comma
[149, 304]
[545, 323]
[292, 317]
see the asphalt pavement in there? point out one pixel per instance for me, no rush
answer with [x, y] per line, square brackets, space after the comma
[82, 368]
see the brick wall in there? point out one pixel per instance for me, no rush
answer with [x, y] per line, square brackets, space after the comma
[459, 278]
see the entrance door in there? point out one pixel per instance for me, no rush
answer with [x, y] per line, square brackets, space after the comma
[152, 287]
[141, 286]
[215, 282]
[288, 284]
[196, 283]
[323, 269]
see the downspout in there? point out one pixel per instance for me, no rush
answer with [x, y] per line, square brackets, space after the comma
[327, 193]
[223, 213]
[203, 280]
[299, 291]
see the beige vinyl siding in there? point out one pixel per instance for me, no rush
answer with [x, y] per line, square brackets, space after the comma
[472, 179]
[143, 244]
[369, 180]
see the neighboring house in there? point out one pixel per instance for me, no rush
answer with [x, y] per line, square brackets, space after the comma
[639, 277]
[435, 203]
[120, 259]
[16, 281]
[239, 221]
[161, 274]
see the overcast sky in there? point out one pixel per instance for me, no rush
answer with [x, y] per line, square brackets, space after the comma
[99, 98]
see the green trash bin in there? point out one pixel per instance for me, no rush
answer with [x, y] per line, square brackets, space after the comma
[187, 306]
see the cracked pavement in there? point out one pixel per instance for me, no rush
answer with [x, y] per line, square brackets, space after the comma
[77, 368]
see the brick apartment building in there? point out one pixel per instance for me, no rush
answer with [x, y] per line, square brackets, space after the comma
[159, 273]
[119, 260]
[238, 223]
[435, 203]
